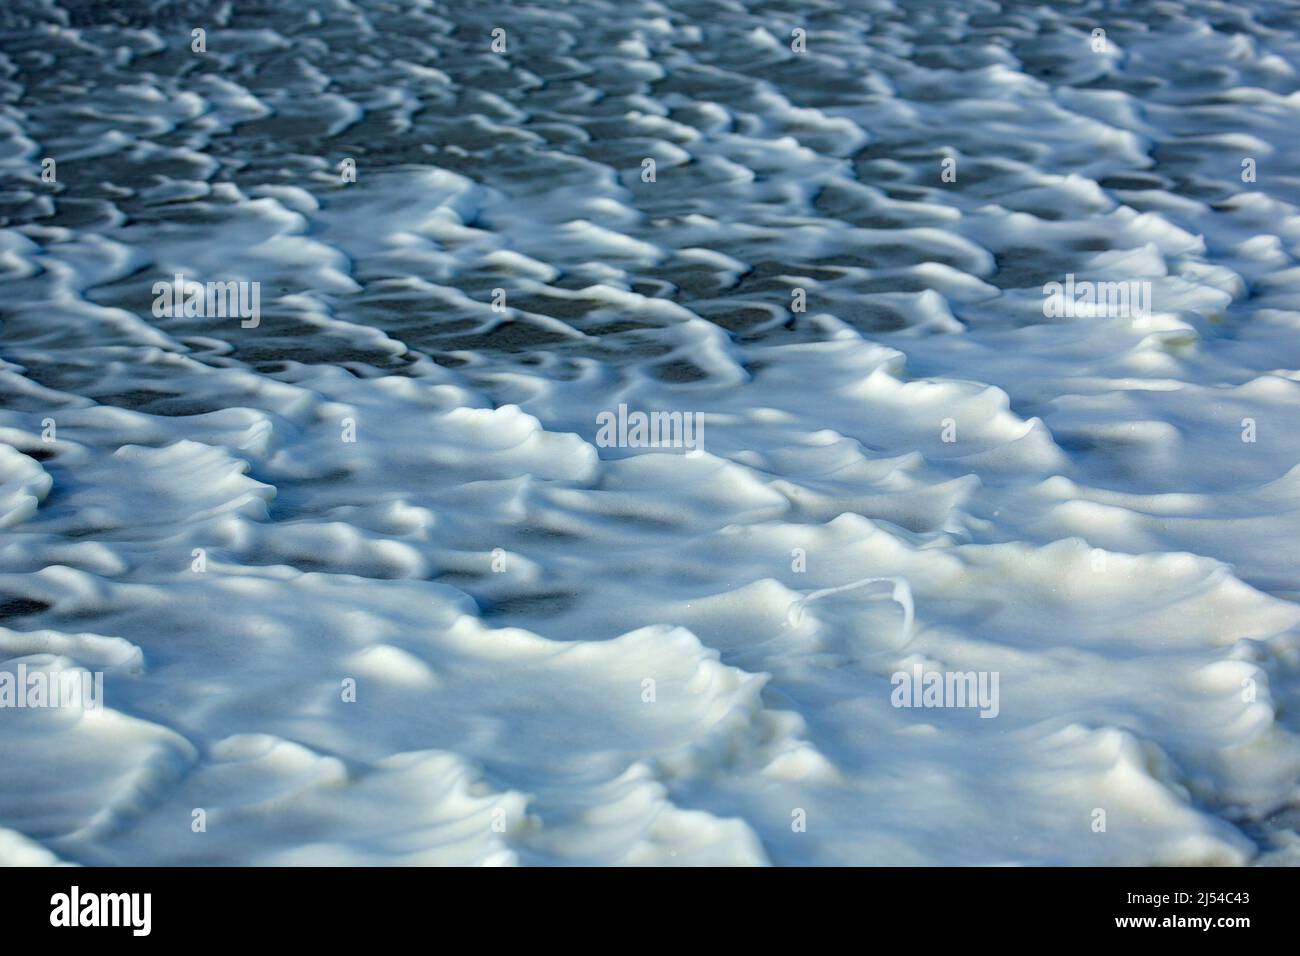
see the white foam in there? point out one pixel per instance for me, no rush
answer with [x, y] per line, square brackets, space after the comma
[364, 583]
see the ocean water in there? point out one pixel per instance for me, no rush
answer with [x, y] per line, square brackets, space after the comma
[983, 544]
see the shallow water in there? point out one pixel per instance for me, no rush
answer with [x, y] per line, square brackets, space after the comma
[564, 652]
